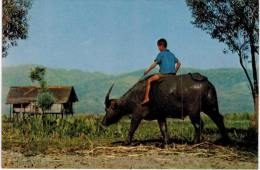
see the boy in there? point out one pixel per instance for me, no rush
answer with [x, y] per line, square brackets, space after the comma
[169, 65]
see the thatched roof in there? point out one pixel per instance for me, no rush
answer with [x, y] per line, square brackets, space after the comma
[27, 94]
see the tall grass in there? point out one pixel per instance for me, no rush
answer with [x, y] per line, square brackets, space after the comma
[32, 135]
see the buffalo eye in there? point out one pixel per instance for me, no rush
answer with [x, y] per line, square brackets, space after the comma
[114, 105]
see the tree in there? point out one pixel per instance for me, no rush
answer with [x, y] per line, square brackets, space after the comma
[15, 22]
[45, 99]
[37, 74]
[234, 23]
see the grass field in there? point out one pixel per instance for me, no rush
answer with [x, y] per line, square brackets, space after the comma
[82, 142]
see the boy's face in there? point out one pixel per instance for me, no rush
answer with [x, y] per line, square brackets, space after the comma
[161, 47]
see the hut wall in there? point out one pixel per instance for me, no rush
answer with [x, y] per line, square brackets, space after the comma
[33, 108]
[56, 108]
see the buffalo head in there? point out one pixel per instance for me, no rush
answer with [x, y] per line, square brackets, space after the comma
[112, 110]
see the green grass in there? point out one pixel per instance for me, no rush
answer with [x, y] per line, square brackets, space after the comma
[34, 135]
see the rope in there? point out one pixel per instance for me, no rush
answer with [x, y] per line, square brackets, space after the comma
[200, 109]
[182, 107]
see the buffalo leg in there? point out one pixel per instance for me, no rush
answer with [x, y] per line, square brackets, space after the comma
[163, 129]
[198, 126]
[134, 125]
[218, 120]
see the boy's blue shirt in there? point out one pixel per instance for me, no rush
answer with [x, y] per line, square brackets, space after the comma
[166, 61]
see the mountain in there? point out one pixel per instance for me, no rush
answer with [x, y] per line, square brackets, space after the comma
[91, 87]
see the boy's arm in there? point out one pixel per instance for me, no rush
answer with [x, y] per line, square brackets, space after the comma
[178, 65]
[150, 68]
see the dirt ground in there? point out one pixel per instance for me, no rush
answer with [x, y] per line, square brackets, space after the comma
[204, 155]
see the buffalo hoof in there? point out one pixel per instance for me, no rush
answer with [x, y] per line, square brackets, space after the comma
[129, 143]
[196, 141]
[223, 141]
[164, 145]
[227, 140]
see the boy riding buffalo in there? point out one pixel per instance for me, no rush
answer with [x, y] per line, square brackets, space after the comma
[169, 65]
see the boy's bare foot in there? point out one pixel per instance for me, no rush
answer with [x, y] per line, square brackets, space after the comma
[145, 101]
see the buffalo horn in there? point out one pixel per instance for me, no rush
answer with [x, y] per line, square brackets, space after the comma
[108, 94]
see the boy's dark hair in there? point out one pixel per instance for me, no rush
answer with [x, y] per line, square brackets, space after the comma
[162, 41]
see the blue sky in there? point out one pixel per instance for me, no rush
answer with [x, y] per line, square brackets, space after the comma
[114, 36]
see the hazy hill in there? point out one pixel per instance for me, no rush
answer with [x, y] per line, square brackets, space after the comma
[91, 87]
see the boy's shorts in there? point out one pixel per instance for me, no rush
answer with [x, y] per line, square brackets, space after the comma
[166, 75]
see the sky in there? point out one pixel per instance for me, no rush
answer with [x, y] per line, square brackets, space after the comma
[114, 36]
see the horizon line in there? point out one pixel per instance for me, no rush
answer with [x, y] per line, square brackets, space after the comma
[113, 73]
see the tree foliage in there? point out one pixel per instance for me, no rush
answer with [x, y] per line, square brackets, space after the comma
[44, 99]
[234, 23]
[37, 74]
[15, 22]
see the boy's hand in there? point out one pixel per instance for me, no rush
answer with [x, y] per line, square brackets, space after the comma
[150, 68]
[146, 72]
[178, 65]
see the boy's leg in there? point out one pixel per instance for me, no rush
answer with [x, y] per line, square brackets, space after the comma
[148, 86]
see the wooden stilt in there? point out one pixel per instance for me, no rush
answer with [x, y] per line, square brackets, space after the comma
[30, 109]
[10, 113]
[23, 111]
[62, 111]
[20, 111]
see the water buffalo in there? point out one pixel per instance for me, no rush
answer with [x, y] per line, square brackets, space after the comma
[170, 97]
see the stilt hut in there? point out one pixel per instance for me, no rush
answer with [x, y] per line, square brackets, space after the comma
[23, 100]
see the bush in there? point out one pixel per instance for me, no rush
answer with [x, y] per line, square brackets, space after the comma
[45, 100]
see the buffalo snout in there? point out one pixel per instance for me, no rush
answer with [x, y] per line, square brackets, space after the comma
[104, 122]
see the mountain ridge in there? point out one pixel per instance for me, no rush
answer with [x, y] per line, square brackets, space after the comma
[91, 87]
